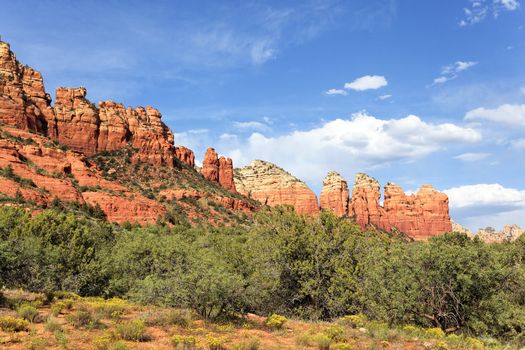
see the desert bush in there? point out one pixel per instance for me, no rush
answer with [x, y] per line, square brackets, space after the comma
[61, 339]
[27, 312]
[341, 346]
[57, 307]
[170, 317]
[248, 344]
[53, 326]
[118, 346]
[134, 330]
[12, 324]
[38, 344]
[275, 321]
[83, 318]
[354, 321]
[112, 308]
[322, 341]
[216, 343]
[441, 346]
[335, 332]
[104, 341]
[434, 333]
[183, 342]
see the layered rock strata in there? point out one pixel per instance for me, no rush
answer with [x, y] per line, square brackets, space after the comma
[335, 195]
[219, 170]
[271, 185]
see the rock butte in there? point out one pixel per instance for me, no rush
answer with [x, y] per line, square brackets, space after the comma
[271, 185]
[420, 216]
[219, 170]
[509, 233]
[335, 194]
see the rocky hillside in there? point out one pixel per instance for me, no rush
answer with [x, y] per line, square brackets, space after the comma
[119, 160]
[509, 233]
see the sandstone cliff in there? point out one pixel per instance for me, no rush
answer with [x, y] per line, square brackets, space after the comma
[219, 170]
[420, 216]
[78, 123]
[271, 185]
[335, 194]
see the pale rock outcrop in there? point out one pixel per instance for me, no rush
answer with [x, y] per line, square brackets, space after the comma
[335, 195]
[509, 233]
[271, 185]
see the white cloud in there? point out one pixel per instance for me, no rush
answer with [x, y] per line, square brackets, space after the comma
[336, 92]
[250, 125]
[452, 71]
[367, 82]
[362, 141]
[512, 115]
[480, 9]
[442, 80]
[472, 157]
[484, 205]
[385, 97]
[518, 143]
[485, 194]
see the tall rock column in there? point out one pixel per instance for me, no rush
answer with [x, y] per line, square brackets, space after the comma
[77, 120]
[185, 155]
[365, 205]
[226, 174]
[210, 165]
[335, 194]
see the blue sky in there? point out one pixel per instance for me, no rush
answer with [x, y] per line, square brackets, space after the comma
[410, 92]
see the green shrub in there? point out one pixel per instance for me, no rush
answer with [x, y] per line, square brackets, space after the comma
[53, 326]
[103, 341]
[275, 321]
[322, 341]
[12, 324]
[61, 339]
[441, 346]
[37, 344]
[435, 332]
[335, 332]
[83, 318]
[27, 312]
[341, 346]
[249, 344]
[354, 321]
[134, 330]
[171, 317]
[57, 308]
[183, 342]
[216, 343]
[118, 346]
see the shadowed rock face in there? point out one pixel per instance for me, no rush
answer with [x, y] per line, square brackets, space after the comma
[421, 215]
[219, 170]
[271, 185]
[335, 194]
[78, 123]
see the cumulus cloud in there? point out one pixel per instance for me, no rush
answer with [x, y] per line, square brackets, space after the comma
[507, 114]
[483, 205]
[472, 157]
[360, 142]
[367, 82]
[452, 71]
[481, 9]
[336, 92]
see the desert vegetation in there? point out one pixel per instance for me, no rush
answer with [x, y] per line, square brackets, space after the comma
[344, 284]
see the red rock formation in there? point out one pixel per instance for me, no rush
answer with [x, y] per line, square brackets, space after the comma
[420, 216]
[365, 205]
[210, 165]
[271, 185]
[219, 170]
[120, 209]
[23, 100]
[335, 194]
[185, 155]
[226, 174]
[75, 121]
[227, 202]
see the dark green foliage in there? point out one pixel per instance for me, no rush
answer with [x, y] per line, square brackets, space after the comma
[315, 268]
